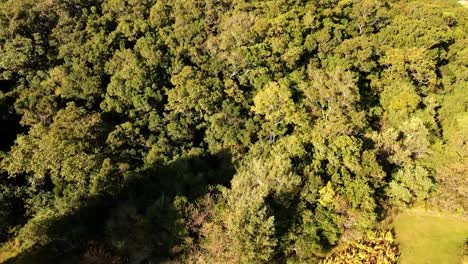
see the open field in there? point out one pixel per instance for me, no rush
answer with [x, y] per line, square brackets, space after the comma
[426, 238]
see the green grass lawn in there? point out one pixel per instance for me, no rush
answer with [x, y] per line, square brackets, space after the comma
[425, 238]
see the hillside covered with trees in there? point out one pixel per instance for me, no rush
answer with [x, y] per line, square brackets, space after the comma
[227, 131]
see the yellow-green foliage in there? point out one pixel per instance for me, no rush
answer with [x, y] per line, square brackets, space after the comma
[375, 248]
[307, 121]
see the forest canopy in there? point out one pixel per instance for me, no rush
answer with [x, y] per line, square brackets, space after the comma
[227, 131]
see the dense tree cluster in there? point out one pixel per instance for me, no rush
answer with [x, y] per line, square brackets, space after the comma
[226, 131]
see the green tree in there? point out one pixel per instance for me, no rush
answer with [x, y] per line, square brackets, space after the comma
[409, 185]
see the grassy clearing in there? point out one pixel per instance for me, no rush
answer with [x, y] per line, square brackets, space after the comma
[427, 238]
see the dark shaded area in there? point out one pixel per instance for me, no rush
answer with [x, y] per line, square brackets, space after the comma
[10, 125]
[154, 191]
